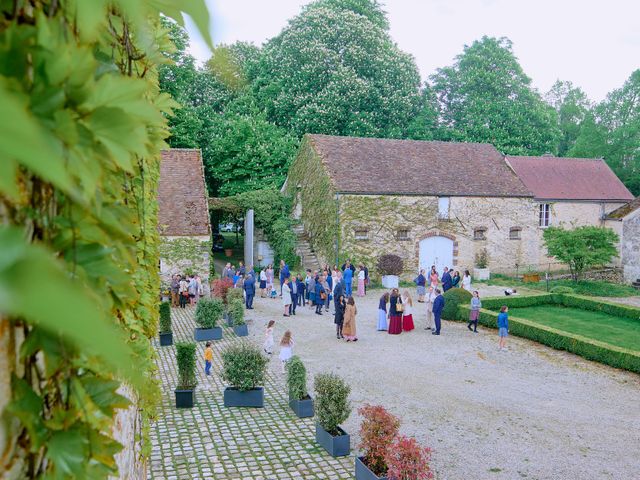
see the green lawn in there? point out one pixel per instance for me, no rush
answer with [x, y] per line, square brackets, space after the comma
[592, 288]
[619, 331]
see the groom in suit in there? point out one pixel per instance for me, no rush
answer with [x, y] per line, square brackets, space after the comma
[447, 281]
[438, 305]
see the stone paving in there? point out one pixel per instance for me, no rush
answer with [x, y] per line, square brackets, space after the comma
[212, 441]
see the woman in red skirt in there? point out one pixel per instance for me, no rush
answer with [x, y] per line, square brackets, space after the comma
[395, 316]
[407, 318]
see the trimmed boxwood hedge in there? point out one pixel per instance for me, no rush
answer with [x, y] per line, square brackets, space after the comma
[558, 339]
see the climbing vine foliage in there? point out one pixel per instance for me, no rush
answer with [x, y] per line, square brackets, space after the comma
[81, 130]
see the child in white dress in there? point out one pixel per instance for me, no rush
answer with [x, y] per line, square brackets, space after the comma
[286, 348]
[268, 338]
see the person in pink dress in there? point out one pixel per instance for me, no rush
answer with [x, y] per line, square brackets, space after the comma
[433, 277]
[361, 278]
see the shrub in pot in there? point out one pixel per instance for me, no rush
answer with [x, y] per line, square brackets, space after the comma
[233, 294]
[332, 407]
[236, 313]
[186, 359]
[390, 267]
[481, 271]
[299, 400]
[406, 459]
[377, 432]
[453, 298]
[208, 314]
[166, 335]
[243, 368]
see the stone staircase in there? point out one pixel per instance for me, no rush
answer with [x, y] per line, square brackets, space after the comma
[636, 284]
[308, 258]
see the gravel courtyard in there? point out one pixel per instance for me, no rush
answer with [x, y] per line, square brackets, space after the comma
[530, 412]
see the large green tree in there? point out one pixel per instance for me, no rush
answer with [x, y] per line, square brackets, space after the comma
[334, 69]
[486, 97]
[572, 107]
[613, 133]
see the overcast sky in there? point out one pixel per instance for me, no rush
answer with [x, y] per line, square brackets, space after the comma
[593, 43]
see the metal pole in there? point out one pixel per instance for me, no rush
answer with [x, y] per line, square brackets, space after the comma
[248, 238]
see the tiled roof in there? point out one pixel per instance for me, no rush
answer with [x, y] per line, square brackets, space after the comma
[182, 195]
[555, 178]
[625, 209]
[411, 167]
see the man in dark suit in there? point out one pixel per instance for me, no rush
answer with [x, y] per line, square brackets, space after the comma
[337, 292]
[447, 281]
[438, 305]
[250, 289]
[294, 296]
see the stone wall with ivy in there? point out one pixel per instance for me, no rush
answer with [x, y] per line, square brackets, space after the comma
[82, 126]
[184, 255]
[385, 217]
[310, 187]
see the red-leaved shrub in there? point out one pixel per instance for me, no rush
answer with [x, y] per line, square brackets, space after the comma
[377, 431]
[220, 286]
[407, 460]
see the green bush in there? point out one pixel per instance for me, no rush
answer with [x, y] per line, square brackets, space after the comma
[452, 299]
[590, 349]
[517, 301]
[332, 401]
[165, 317]
[186, 358]
[561, 289]
[209, 312]
[244, 366]
[296, 379]
[234, 294]
[235, 308]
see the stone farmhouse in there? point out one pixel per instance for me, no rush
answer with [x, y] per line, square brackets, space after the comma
[626, 221]
[442, 203]
[183, 214]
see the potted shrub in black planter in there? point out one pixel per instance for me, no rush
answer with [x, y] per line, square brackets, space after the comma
[236, 311]
[234, 295]
[299, 400]
[166, 335]
[186, 358]
[377, 432]
[332, 408]
[208, 314]
[243, 367]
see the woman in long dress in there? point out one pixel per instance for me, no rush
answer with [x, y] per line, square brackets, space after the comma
[361, 277]
[382, 312]
[286, 297]
[349, 327]
[407, 317]
[269, 273]
[395, 316]
[466, 281]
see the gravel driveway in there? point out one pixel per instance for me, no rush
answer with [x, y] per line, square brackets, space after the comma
[530, 412]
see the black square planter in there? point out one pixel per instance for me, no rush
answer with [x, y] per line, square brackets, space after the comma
[251, 398]
[302, 408]
[339, 446]
[241, 330]
[204, 334]
[363, 472]
[184, 398]
[166, 339]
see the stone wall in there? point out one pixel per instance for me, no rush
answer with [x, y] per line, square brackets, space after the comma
[127, 429]
[630, 253]
[382, 216]
[180, 254]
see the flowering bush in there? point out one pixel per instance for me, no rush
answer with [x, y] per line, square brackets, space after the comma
[220, 287]
[407, 460]
[377, 431]
[390, 264]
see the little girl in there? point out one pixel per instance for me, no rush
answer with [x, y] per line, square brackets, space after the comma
[286, 348]
[268, 338]
[476, 305]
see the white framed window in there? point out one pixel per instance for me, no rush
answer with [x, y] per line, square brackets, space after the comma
[362, 234]
[480, 233]
[544, 214]
[443, 208]
[514, 233]
[402, 234]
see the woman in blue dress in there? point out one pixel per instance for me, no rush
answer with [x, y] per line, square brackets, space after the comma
[382, 312]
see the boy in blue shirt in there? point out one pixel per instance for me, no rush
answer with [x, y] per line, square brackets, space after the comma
[503, 327]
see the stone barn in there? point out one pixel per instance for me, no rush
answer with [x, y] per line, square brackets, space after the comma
[626, 221]
[183, 216]
[441, 203]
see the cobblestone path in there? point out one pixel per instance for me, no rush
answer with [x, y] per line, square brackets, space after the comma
[211, 441]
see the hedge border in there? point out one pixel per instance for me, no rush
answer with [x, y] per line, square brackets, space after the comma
[560, 340]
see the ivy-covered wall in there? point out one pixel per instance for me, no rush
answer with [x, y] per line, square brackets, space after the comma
[311, 188]
[184, 255]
